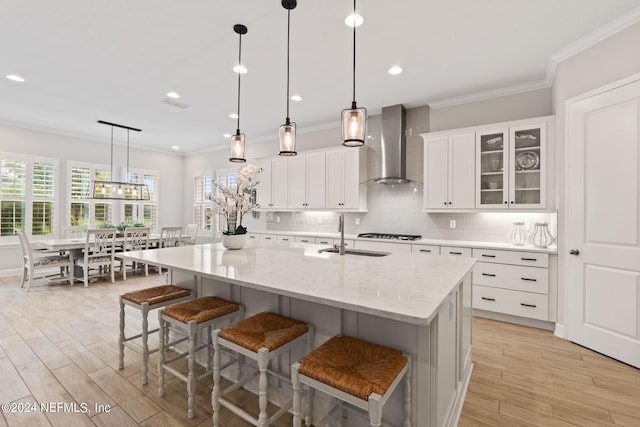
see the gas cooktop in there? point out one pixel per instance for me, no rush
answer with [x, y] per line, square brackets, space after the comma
[389, 236]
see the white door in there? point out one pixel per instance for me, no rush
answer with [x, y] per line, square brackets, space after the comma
[462, 171]
[436, 172]
[603, 222]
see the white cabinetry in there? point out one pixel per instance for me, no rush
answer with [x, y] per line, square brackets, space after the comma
[345, 169]
[382, 246]
[449, 171]
[513, 283]
[512, 167]
[307, 181]
[273, 190]
[455, 251]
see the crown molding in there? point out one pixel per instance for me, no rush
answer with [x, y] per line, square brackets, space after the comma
[621, 23]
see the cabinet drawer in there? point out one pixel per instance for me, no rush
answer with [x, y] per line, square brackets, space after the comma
[532, 259]
[426, 249]
[516, 303]
[305, 239]
[455, 251]
[516, 277]
[382, 246]
[285, 238]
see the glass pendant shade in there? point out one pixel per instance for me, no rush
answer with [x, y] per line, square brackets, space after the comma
[237, 148]
[354, 126]
[288, 139]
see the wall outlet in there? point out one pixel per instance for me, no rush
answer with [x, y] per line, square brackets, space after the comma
[452, 223]
[357, 221]
[277, 219]
[319, 220]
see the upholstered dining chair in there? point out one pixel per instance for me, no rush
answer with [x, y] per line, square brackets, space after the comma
[99, 252]
[41, 265]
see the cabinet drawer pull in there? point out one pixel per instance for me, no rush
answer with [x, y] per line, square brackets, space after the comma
[488, 299]
[425, 250]
[488, 256]
[488, 274]
[528, 280]
[528, 305]
[528, 259]
[267, 238]
[455, 253]
[304, 241]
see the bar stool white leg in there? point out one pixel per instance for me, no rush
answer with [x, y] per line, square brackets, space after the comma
[191, 358]
[163, 330]
[297, 401]
[407, 395]
[215, 395]
[263, 363]
[144, 309]
[375, 415]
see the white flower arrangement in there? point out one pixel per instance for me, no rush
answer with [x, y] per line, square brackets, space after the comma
[233, 203]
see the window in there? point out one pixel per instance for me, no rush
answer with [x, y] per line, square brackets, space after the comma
[225, 177]
[84, 211]
[27, 194]
[145, 211]
[93, 213]
[203, 211]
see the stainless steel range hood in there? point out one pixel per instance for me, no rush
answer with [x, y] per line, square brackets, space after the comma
[393, 146]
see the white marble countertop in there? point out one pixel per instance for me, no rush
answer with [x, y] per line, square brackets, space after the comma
[436, 242]
[405, 287]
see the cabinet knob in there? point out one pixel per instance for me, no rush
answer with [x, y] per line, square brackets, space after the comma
[512, 202]
[505, 202]
[445, 203]
[574, 252]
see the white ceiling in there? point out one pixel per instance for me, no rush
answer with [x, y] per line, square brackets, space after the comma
[114, 60]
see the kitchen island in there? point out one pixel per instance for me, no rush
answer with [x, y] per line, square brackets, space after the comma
[416, 304]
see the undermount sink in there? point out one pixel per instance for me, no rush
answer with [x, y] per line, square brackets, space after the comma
[361, 252]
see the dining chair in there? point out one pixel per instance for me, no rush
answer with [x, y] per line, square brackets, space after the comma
[41, 262]
[169, 238]
[135, 239]
[99, 252]
[190, 234]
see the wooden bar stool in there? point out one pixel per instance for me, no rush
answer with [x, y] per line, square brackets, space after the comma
[188, 318]
[146, 300]
[357, 372]
[261, 338]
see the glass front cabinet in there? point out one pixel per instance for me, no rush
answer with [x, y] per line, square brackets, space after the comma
[511, 163]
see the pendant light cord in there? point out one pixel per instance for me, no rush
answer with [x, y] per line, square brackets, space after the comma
[239, 75]
[353, 104]
[288, 41]
[111, 177]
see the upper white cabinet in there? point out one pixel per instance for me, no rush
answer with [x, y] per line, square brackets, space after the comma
[273, 190]
[449, 171]
[314, 180]
[307, 181]
[345, 166]
[512, 167]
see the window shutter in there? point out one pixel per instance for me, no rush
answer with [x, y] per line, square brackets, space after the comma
[13, 178]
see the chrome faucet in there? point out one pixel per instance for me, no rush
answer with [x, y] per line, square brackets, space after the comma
[341, 230]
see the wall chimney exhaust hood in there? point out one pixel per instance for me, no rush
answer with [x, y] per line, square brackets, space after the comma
[393, 146]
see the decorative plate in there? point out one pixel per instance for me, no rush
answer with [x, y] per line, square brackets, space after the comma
[495, 143]
[527, 160]
[526, 136]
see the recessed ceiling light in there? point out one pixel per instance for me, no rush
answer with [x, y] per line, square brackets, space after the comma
[174, 95]
[227, 135]
[15, 78]
[354, 18]
[395, 70]
[296, 98]
[241, 69]
[175, 147]
[233, 115]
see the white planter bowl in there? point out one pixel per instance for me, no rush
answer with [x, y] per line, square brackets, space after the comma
[233, 241]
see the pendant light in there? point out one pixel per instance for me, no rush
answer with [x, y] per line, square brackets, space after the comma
[118, 190]
[354, 119]
[287, 131]
[237, 140]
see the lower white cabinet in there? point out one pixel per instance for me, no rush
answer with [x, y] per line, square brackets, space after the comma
[455, 251]
[426, 249]
[383, 246]
[512, 282]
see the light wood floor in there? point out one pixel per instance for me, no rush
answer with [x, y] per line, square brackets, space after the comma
[59, 344]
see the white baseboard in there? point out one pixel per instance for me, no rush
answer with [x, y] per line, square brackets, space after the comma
[534, 323]
[560, 331]
[11, 272]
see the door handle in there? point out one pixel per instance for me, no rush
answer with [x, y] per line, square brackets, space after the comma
[574, 252]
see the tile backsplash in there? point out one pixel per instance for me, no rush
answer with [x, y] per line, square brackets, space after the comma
[398, 209]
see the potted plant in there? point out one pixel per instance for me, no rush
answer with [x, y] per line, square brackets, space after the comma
[234, 203]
